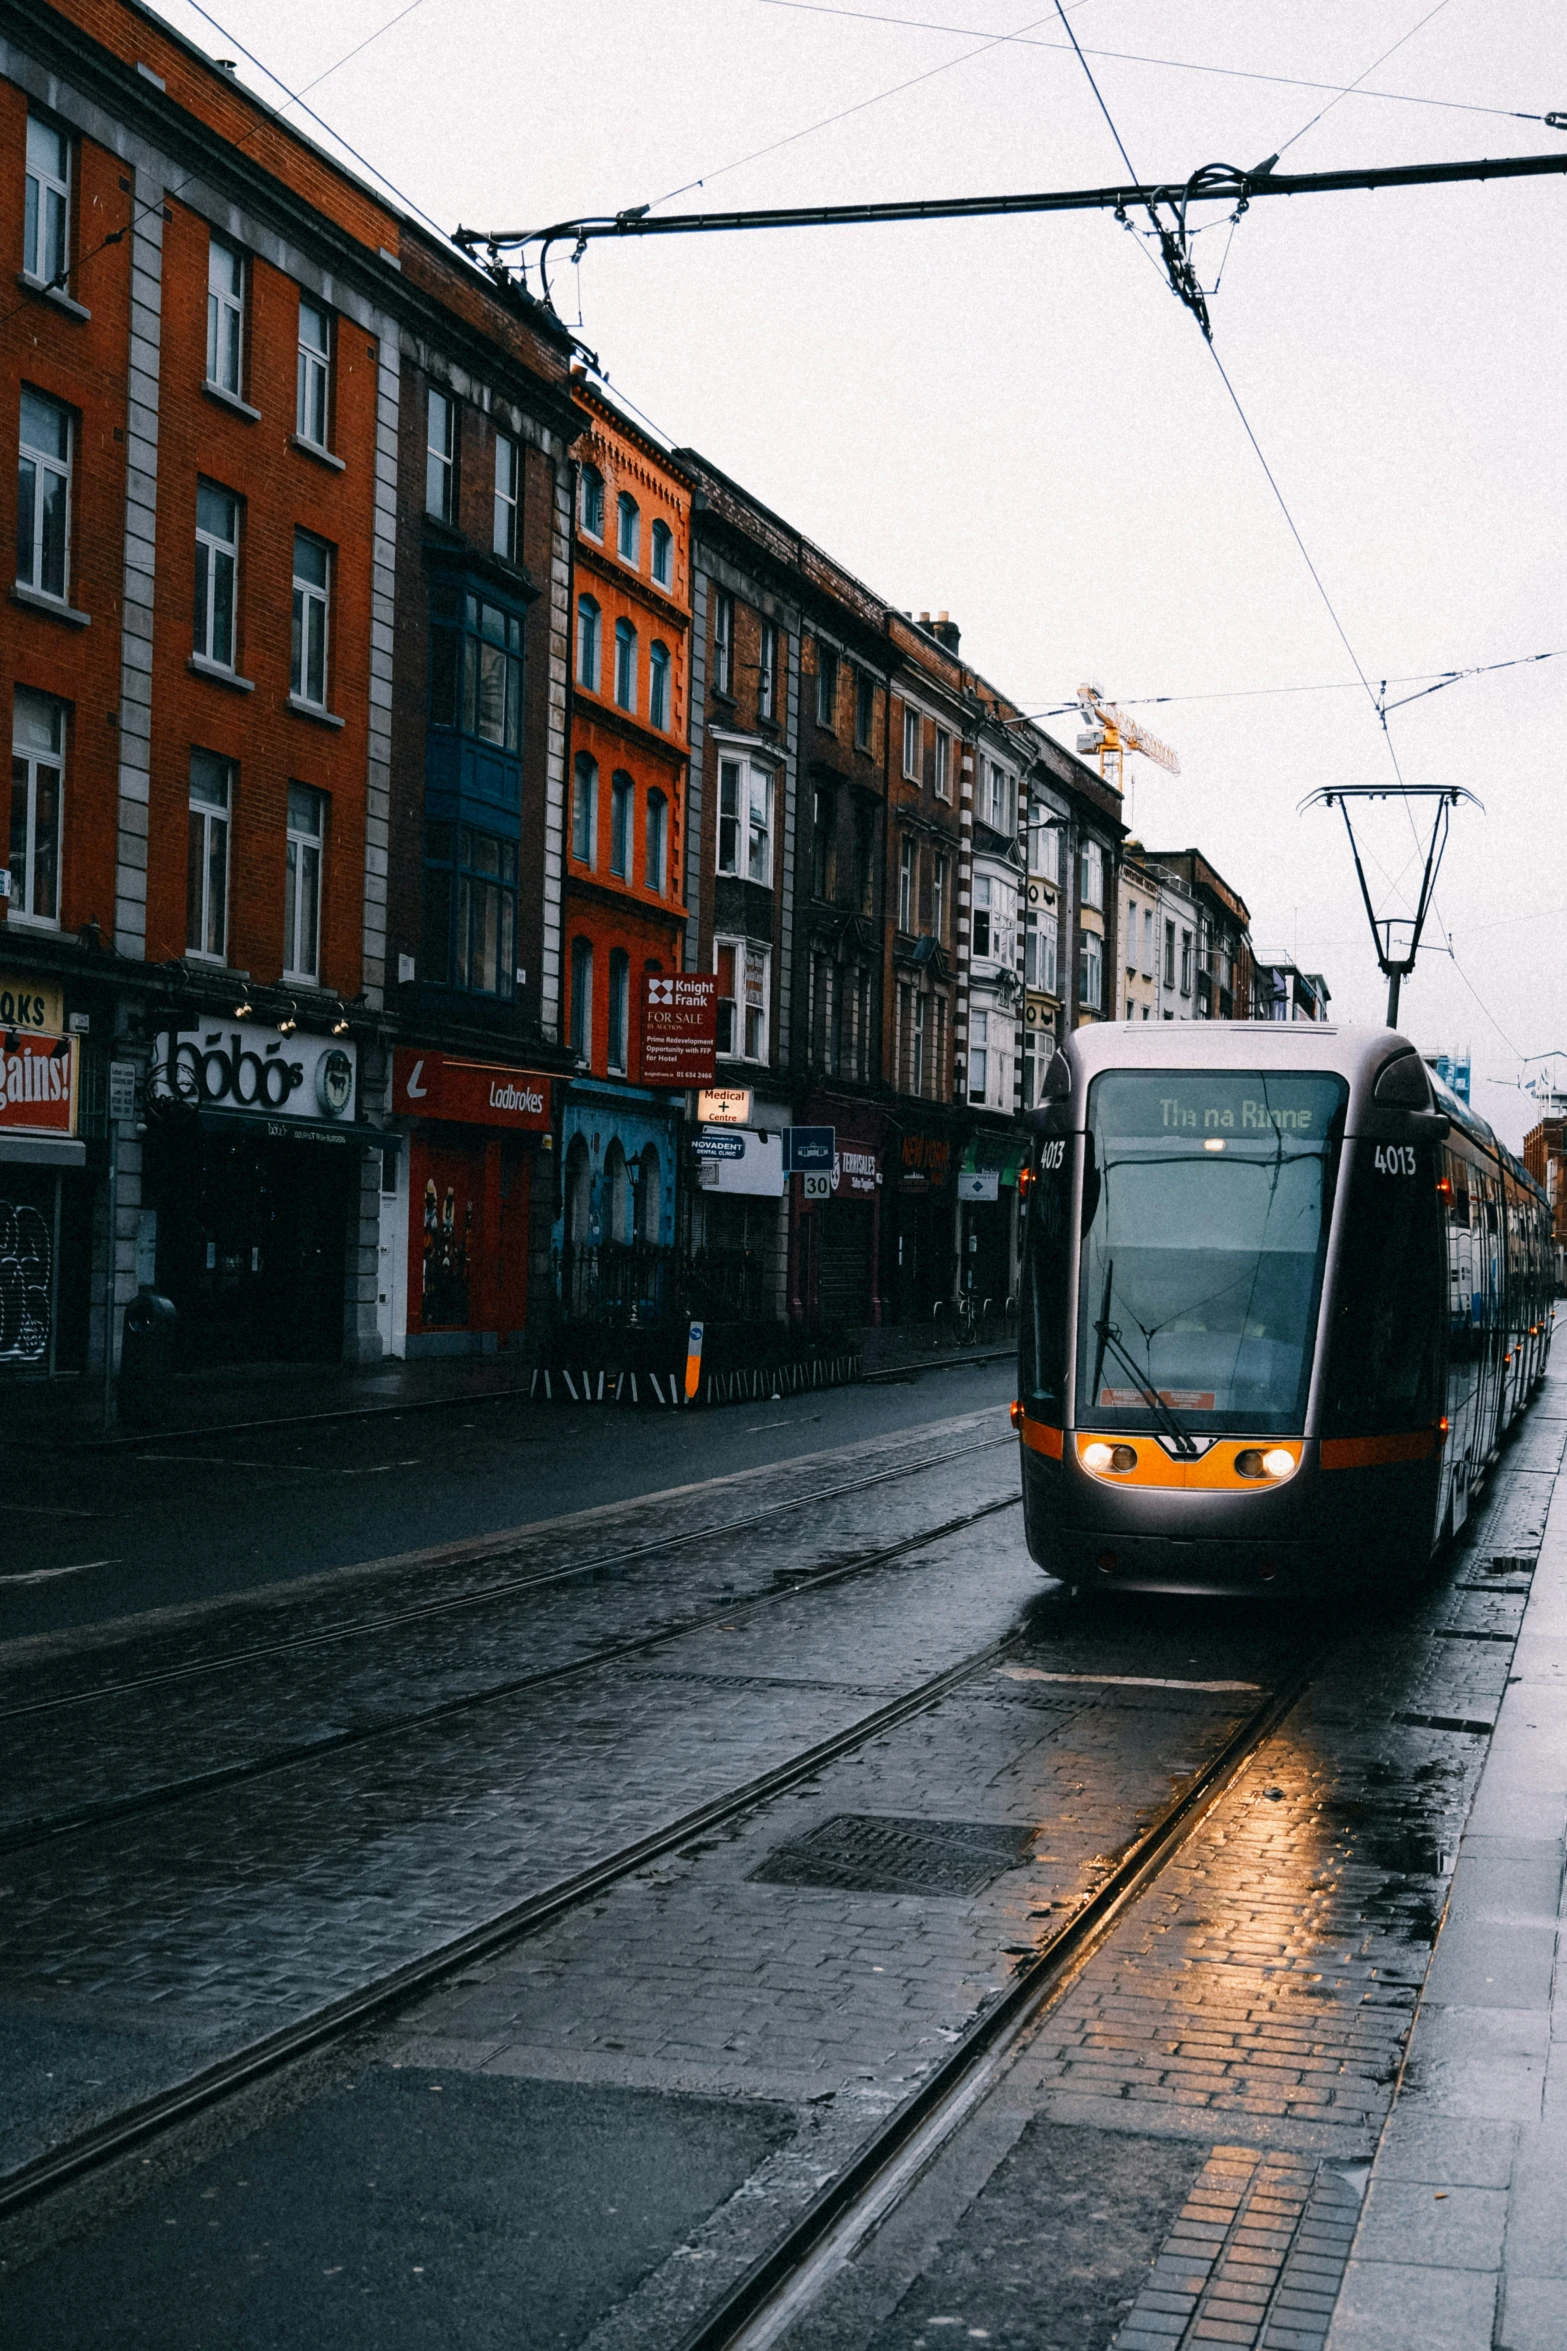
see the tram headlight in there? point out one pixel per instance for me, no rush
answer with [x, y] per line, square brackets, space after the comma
[1111, 1460]
[1277, 1462]
[1274, 1461]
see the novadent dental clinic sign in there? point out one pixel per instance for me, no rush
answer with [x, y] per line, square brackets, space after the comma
[469, 1093]
[293, 1082]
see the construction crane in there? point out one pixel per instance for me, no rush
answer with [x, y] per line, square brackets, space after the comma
[1112, 734]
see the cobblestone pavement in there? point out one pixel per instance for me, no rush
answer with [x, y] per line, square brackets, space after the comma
[1241, 2028]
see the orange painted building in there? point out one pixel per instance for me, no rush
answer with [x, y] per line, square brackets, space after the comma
[623, 898]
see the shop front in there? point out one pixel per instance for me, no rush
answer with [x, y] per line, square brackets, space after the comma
[987, 1196]
[251, 1190]
[45, 1199]
[738, 1263]
[614, 1239]
[462, 1217]
[922, 1250]
[836, 1239]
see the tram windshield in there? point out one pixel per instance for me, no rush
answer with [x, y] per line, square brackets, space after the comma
[1206, 1203]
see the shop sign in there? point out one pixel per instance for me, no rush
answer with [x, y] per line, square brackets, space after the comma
[30, 1004]
[979, 1183]
[925, 1162]
[718, 1146]
[756, 1169]
[680, 1028]
[724, 1106]
[255, 1070]
[38, 1086]
[855, 1173]
[470, 1093]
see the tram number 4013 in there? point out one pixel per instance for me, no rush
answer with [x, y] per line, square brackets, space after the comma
[1395, 1159]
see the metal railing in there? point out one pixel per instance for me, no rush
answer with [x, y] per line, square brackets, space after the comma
[618, 1282]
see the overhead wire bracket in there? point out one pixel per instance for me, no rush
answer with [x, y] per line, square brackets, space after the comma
[1396, 968]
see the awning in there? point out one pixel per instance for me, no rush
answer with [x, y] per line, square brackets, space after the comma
[42, 1150]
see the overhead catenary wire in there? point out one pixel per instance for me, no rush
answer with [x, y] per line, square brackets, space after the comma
[1340, 96]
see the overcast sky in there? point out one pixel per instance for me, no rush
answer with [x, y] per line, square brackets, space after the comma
[1014, 420]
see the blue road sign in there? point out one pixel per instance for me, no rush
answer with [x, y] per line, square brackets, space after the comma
[809, 1150]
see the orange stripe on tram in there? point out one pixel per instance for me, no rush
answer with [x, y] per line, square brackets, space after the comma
[1039, 1437]
[1379, 1452]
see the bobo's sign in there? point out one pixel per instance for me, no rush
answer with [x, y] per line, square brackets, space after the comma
[470, 1093]
[679, 1028]
[258, 1071]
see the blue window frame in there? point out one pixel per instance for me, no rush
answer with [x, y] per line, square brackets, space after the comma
[473, 788]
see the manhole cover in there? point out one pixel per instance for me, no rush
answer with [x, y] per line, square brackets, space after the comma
[874, 1853]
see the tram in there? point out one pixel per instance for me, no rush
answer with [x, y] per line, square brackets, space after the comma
[1283, 1297]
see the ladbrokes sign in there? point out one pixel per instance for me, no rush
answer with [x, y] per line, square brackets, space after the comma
[240, 1067]
[472, 1093]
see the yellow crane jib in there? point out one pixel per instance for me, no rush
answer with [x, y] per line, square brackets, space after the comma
[1111, 733]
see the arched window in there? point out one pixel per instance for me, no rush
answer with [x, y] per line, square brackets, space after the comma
[650, 1201]
[625, 665]
[617, 1193]
[579, 1194]
[657, 842]
[628, 528]
[622, 802]
[584, 807]
[658, 684]
[663, 555]
[619, 1009]
[588, 643]
[590, 502]
[582, 998]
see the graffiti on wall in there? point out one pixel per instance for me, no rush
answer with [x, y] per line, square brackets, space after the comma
[24, 1283]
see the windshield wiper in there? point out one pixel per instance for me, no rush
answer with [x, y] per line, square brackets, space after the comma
[1109, 1337]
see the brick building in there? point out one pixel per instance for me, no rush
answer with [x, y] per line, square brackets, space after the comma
[1545, 1156]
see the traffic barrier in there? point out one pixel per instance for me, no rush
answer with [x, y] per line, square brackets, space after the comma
[759, 1386]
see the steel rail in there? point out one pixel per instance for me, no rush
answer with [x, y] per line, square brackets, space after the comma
[1219, 183]
[764, 2301]
[35, 1835]
[476, 1549]
[150, 2117]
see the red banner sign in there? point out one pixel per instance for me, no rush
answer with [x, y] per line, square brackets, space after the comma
[680, 1029]
[38, 1085]
[472, 1093]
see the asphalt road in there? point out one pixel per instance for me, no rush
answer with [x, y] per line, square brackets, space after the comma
[100, 1536]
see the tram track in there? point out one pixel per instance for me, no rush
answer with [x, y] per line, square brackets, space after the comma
[35, 1835]
[472, 1551]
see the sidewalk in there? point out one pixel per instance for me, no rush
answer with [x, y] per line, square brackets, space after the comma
[1462, 2243]
[250, 1393]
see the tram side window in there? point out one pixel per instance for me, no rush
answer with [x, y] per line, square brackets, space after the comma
[1385, 1344]
[1044, 1336]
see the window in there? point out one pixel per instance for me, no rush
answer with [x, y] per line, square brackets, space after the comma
[981, 923]
[1148, 967]
[508, 490]
[1091, 874]
[906, 870]
[723, 642]
[470, 908]
[826, 685]
[999, 803]
[917, 1070]
[1169, 954]
[1090, 972]
[302, 904]
[46, 226]
[938, 897]
[625, 665]
[745, 807]
[225, 316]
[588, 643]
[663, 555]
[628, 529]
[313, 393]
[590, 502]
[1044, 838]
[656, 846]
[43, 499]
[1186, 963]
[742, 970]
[217, 569]
[658, 685]
[37, 787]
[939, 1058]
[911, 743]
[207, 870]
[943, 764]
[864, 709]
[312, 570]
[864, 851]
[582, 999]
[476, 667]
[584, 795]
[619, 1008]
[978, 1055]
[767, 673]
[622, 806]
[823, 814]
[440, 460]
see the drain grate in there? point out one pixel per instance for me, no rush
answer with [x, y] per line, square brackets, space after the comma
[876, 1853]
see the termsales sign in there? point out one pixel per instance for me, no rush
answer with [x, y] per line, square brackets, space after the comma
[471, 1093]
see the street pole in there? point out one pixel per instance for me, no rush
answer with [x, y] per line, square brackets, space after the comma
[110, 1271]
[1393, 978]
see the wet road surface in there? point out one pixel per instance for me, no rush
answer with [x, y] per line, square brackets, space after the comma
[586, 2136]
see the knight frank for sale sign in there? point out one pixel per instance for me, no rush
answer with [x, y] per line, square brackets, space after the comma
[680, 1028]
